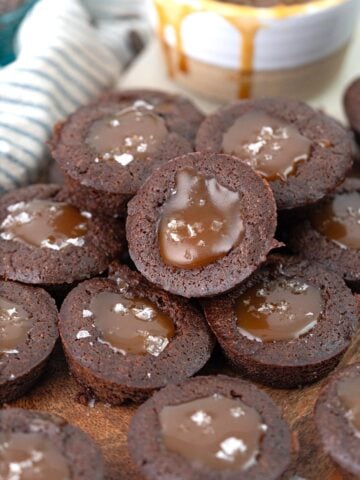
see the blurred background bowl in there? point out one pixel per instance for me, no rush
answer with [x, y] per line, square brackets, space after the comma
[227, 51]
[9, 23]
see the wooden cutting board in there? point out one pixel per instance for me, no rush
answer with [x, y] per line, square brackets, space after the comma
[58, 393]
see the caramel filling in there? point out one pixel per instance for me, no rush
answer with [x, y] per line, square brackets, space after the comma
[348, 391]
[45, 224]
[134, 326]
[15, 324]
[339, 220]
[217, 432]
[200, 222]
[134, 133]
[271, 146]
[31, 456]
[281, 309]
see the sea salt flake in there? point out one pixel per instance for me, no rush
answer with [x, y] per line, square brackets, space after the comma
[155, 345]
[82, 334]
[15, 206]
[145, 313]
[124, 159]
[237, 412]
[201, 418]
[120, 308]
[230, 447]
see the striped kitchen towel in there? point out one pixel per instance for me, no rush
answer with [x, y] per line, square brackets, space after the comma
[63, 62]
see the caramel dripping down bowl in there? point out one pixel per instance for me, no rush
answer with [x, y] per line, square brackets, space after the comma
[228, 51]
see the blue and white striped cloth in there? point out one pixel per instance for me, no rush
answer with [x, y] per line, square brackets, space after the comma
[67, 54]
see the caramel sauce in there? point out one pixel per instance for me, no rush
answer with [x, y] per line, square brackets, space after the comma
[244, 18]
[133, 133]
[200, 222]
[45, 224]
[271, 146]
[215, 431]
[15, 324]
[134, 326]
[283, 309]
[339, 220]
[248, 31]
[348, 391]
[31, 456]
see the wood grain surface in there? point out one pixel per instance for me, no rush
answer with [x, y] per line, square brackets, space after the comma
[58, 393]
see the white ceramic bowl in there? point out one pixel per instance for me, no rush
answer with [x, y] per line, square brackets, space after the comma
[228, 51]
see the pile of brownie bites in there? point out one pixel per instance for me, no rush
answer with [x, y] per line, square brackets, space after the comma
[174, 233]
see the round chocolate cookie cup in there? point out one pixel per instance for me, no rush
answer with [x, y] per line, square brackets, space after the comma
[50, 264]
[112, 372]
[156, 462]
[63, 451]
[339, 438]
[352, 106]
[258, 219]
[303, 353]
[28, 328]
[104, 181]
[328, 156]
[305, 239]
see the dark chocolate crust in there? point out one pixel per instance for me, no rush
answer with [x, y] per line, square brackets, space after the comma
[157, 463]
[18, 372]
[259, 216]
[106, 186]
[304, 240]
[116, 378]
[42, 266]
[83, 456]
[352, 106]
[336, 434]
[319, 175]
[300, 361]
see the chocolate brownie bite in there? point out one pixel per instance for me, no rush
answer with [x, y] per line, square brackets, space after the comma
[124, 338]
[352, 106]
[303, 153]
[330, 234]
[37, 445]
[287, 325]
[28, 333]
[210, 428]
[201, 224]
[337, 417]
[44, 240]
[107, 149]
